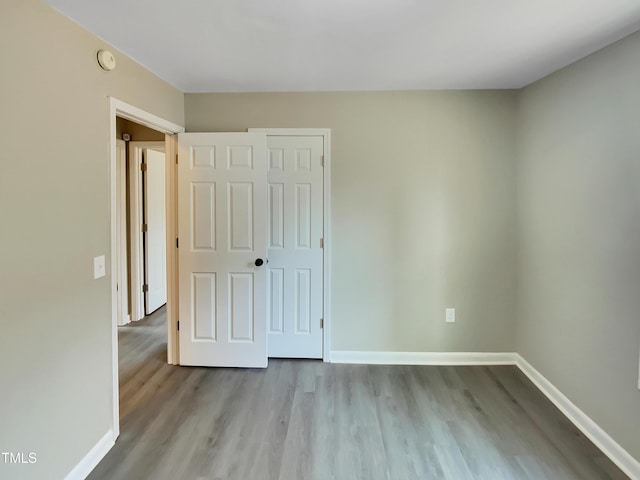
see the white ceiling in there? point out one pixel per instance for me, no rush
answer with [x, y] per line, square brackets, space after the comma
[306, 45]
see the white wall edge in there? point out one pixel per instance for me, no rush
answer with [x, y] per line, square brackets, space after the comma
[588, 427]
[91, 459]
[424, 358]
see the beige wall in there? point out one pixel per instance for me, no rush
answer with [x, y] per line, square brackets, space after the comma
[423, 210]
[424, 217]
[579, 235]
[55, 347]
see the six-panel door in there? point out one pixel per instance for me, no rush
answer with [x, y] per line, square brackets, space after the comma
[295, 233]
[222, 223]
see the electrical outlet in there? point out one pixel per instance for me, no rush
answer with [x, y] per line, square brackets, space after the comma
[450, 315]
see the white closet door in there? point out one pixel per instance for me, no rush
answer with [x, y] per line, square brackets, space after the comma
[295, 277]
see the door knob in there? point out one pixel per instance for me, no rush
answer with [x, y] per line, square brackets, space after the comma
[259, 262]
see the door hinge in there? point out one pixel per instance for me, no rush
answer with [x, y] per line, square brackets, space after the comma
[322, 243]
[322, 323]
[176, 158]
[177, 243]
[178, 323]
[144, 227]
[143, 167]
[322, 160]
[145, 288]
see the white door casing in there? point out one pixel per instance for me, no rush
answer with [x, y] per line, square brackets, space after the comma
[222, 231]
[122, 302]
[155, 243]
[171, 178]
[295, 236]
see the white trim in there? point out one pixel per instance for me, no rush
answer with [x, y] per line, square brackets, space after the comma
[290, 132]
[135, 114]
[135, 246]
[135, 214]
[424, 358]
[173, 300]
[122, 239]
[325, 133]
[115, 414]
[124, 110]
[591, 429]
[91, 459]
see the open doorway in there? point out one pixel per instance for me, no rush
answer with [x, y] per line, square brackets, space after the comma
[141, 250]
[159, 137]
[141, 221]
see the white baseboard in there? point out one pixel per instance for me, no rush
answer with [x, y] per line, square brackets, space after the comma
[91, 459]
[126, 321]
[424, 358]
[591, 430]
[588, 427]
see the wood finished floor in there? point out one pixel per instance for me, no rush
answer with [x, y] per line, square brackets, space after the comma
[301, 420]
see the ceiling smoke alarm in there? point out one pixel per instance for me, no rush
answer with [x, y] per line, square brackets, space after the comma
[106, 60]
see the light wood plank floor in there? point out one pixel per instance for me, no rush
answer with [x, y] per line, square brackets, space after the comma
[301, 420]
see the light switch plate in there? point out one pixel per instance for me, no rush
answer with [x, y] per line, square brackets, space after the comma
[98, 267]
[450, 315]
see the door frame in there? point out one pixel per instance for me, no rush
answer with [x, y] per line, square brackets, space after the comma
[118, 108]
[135, 213]
[122, 312]
[325, 133]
